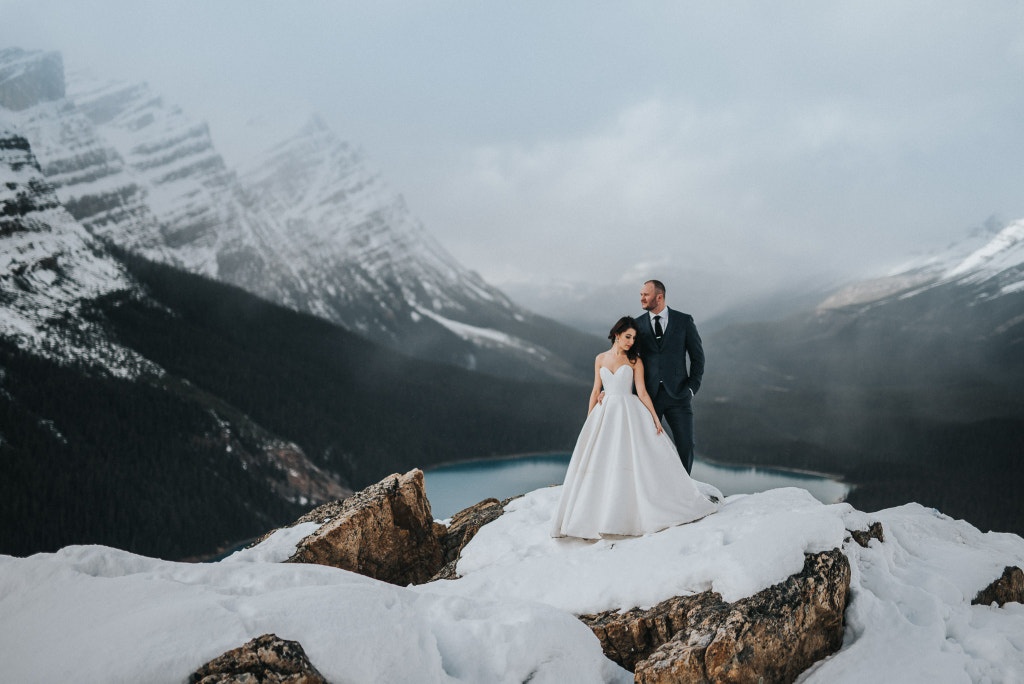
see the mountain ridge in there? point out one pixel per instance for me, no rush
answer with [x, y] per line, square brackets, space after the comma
[988, 260]
[306, 224]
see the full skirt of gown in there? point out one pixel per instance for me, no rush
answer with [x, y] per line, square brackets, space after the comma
[624, 478]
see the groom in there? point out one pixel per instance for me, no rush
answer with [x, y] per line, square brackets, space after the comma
[666, 337]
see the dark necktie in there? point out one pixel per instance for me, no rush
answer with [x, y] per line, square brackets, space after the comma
[658, 331]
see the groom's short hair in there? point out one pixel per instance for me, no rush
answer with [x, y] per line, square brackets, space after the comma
[659, 287]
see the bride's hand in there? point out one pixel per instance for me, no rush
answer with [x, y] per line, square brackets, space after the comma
[600, 397]
[657, 424]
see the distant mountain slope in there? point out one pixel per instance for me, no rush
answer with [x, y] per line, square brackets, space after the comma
[308, 226]
[909, 385]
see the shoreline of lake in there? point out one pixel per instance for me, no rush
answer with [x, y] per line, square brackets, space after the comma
[452, 486]
[838, 477]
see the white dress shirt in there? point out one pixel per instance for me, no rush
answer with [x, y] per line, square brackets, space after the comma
[664, 319]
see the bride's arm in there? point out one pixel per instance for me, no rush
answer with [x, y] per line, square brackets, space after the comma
[596, 391]
[641, 392]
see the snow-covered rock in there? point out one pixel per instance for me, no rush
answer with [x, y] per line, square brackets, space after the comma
[165, 620]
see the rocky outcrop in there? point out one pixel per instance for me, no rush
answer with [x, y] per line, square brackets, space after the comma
[633, 636]
[862, 537]
[771, 636]
[268, 659]
[1007, 589]
[464, 526]
[385, 531]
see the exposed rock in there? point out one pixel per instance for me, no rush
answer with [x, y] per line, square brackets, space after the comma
[1007, 589]
[632, 636]
[385, 531]
[464, 526]
[772, 636]
[863, 536]
[267, 659]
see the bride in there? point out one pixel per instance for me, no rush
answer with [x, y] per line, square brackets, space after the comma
[625, 477]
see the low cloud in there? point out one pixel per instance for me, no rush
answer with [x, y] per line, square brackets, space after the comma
[663, 182]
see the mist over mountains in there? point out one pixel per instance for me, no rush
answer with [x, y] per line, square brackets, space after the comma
[908, 385]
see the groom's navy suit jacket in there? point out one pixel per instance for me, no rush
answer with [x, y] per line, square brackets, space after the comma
[665, 362]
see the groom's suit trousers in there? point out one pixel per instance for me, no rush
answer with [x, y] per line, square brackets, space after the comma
[677, 414]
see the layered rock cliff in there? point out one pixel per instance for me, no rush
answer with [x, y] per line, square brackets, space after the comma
[50, 268]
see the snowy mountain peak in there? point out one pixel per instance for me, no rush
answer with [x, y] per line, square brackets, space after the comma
[989, 261]
[1003, 252]
[363, 258]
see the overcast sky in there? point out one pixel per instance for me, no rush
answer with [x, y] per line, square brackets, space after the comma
[604, 142]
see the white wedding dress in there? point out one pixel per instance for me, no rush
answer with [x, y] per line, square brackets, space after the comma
[624, 478]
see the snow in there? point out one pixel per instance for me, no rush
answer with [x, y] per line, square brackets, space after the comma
[95, 614]
[484, 337]
[517, 557]
[510, 617]
[1012, 287]
[277, 548]
[910, 617]
[1004, 251]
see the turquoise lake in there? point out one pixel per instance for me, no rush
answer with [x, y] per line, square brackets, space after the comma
[454, 487]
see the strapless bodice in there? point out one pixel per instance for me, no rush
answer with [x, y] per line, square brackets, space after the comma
[619, 382]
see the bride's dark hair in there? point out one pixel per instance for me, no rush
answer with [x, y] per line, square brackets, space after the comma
[622, 325]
